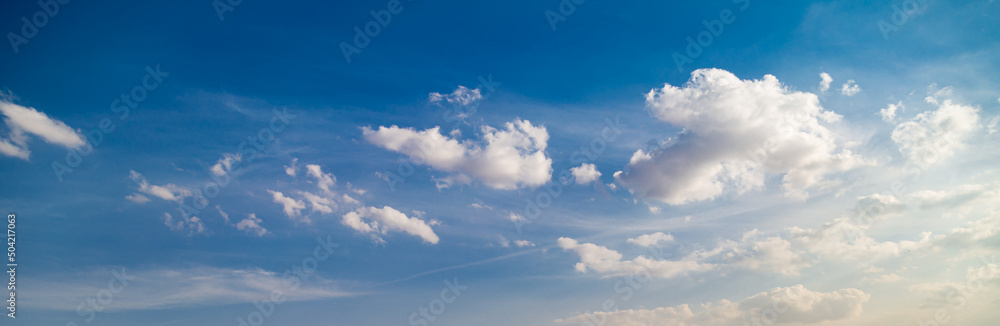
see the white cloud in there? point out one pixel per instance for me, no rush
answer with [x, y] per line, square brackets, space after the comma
[935, 135]
[975, 231]
[23, 121]
[251, 225]
[889, 113]
[585, 173]
[461, 96]
[323, 180]
[350, 200]
[225, 216]
[137, 198]
[953, 196]
[523, 243]
[324, 201]
[609, 263]
[173, 288]
[789, 305]
[6, 148]
[481, 206]
[504, 242]
[649, 240]
[825, 80]
[291, 169]
[933, 94]
[992, 128]
[757, 252]
[190, 223]
[850, 88]
[511, 158]
[225, 164]
[736, 132]
[292, 207]
[319, 203]
[385, 219]
[169, 191]
[845, 238]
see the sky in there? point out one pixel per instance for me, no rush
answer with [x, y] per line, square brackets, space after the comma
[572, 162]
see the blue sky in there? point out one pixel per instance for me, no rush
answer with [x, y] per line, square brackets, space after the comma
[814, 163]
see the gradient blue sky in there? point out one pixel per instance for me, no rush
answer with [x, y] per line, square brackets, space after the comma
[930, 166]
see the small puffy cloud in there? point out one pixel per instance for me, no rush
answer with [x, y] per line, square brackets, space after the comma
[850, 88]
[504, 242]
[933, 136]
[190, 223]
[992, 128]
[736, 133]
[523, 243]
[511, 158]
[350, 200]
[324, 201]
[889, 113]
[585, 173]
[251, 225]
[825, 80]
[319, 203]
[791, 305]
[323, 180]
[379, 221]
[292, 207]
[225, 164]
[934, 94]
[137, 198]
[609, 263]
[23, 121]
[461, 96]
[291, 169]
[169, 191]
[649, 240]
